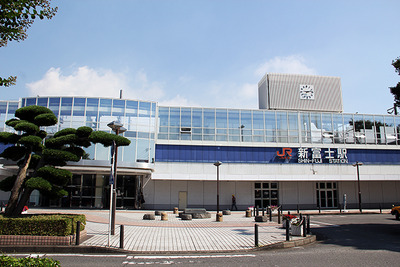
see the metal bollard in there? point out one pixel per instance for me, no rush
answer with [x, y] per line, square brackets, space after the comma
[380, 209]
[121, 237]
[340, 208]
[298, 211]
[257, 211]
[78, 233]
[270, 215]
[319, 209]
[279, 215]
[308, 224]
[256, 235]
[287, 230]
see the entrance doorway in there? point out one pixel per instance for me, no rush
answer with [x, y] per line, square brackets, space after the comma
[182, 202]
[326, 195]
[266, 194]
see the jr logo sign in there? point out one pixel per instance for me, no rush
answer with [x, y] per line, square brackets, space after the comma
[286, 153]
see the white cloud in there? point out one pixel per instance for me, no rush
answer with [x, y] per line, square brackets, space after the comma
[290, 64]
[178, 101]
[85, 81]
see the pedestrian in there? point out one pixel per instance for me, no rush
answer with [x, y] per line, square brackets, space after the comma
[233, 203]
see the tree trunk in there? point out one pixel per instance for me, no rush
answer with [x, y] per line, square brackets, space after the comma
[23, 201]
[16, 190]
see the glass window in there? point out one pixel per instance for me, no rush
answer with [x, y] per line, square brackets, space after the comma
[163, 114]
[233, 117]
[390, 130]
[54, 104]
[380, 130]
[105, 107]
[42, 101]
[245, 119]
[144, 109]
[118, 107]
[186, 117]
[293, 121]
[209, 118]
[66, 106]
[131, 107]
[92, 106]
[348, 126]
[222, 118]
[197, 118]
[79, 106]
[30, 101]
[338, 128]
[174, 117]
[258, 120]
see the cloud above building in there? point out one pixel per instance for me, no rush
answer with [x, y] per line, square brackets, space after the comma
[86, 81]
[293, 64]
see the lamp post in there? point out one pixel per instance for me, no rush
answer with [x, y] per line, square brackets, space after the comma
[217, 164]
[357, 164]
[117, 128]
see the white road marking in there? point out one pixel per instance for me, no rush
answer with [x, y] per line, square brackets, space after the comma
[189, 256]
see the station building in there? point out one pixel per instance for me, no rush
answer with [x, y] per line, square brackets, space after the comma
[299, 149]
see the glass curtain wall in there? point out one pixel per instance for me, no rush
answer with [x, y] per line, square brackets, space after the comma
[234, 125]
[138, 117]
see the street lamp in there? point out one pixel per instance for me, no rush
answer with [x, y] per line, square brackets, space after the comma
[217, 164]
[357, 164]
[117, 128]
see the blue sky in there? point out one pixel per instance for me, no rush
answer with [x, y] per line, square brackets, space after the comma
[209, 53]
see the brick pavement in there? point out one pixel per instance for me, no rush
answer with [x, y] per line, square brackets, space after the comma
[235, 233]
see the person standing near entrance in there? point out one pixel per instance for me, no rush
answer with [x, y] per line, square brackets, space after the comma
[233, 203]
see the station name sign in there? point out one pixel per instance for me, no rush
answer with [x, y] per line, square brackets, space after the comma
[314, 155]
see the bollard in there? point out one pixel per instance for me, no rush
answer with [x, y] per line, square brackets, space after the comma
[304, 228]
[298, 211]
[340, 208]
[270, 215]
[319, 209]
[219, 217]
[257, 211]
[287, 230]
[380, 209]
[121, 237]
[279, 215]
[78, 232]
[248, 213]
[263, 211]
[256, 235]
[308, 224]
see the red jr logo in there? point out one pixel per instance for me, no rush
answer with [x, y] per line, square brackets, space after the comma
[286, 153]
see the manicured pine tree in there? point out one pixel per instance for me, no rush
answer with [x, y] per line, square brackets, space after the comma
[38, 157]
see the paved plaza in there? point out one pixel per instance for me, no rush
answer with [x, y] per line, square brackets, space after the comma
[235, 233]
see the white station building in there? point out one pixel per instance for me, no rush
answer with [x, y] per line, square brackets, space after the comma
[298, 150]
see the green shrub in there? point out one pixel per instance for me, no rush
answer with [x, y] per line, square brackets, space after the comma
[29, 261]
[42, 224]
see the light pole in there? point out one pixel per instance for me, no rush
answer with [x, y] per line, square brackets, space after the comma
[357, 164]
[117, 128]
[217, 164]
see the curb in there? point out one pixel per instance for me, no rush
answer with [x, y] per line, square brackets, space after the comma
[106, 250]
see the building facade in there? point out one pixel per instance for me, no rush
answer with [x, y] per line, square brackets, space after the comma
[299, 156]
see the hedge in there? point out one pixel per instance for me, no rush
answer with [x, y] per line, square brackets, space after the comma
[42, 224]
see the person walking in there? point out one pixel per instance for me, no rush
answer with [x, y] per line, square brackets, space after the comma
[234, 203]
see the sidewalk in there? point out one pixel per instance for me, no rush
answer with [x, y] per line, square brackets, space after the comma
[235, 233]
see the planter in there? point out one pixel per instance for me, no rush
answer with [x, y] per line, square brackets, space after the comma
[297, 230]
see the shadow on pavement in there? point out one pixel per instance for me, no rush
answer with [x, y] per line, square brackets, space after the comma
[361, 236]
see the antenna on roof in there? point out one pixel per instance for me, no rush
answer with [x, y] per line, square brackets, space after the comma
[120, 94]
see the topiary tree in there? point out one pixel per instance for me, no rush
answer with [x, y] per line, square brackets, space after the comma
[42, 156]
